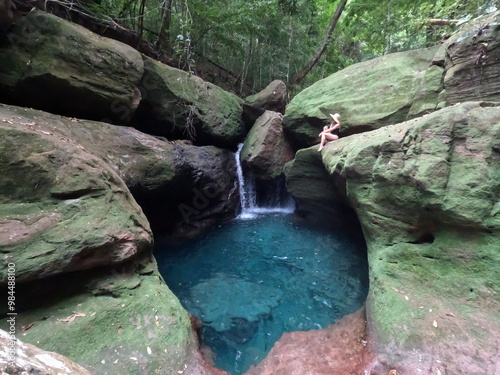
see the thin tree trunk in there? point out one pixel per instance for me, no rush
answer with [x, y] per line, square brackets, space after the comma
[163, 41]
[141, 21]
[322, 48]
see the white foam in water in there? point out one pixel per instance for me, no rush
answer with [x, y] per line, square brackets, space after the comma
[249, 208]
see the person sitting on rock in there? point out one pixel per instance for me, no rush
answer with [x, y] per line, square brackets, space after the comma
[330, 133]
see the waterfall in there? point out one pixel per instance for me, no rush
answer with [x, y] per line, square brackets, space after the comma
[248, 196]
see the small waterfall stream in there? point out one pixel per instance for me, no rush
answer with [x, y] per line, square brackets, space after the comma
[248, 196]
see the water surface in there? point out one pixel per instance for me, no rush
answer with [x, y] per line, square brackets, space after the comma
[249, 281]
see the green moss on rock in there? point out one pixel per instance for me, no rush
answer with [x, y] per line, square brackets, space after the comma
[178, 104]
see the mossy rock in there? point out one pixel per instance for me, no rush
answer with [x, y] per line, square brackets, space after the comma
[177, 104]
[62, 208]
[194, 185]
[127, 321]
[367, 95]
[52, 64]
[426, 193]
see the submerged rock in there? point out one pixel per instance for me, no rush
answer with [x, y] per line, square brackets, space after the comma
[426, 192]
[177, 104]
[251, 303]
[52, 64]
[339, 349]
[266, 151]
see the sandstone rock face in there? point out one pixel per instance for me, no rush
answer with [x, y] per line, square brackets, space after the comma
[266, 151]
[272, 98]
[367, 95]
[179, 186]
[52, 64]
[31, 360]
[62, 208]
[472, 59]
[426, 192]
[177, 104]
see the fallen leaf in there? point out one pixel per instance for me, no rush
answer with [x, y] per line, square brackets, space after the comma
[149, 350]
[70, 318]
[438, 372]
[103, 361]
[25, 328]
[450, 314]
[434, 324]
[115, 362]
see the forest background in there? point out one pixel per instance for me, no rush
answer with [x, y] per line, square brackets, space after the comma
[242, 45]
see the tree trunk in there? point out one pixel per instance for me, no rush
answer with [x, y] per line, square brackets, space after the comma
[141, 21]
[163, 41]
[322, 48]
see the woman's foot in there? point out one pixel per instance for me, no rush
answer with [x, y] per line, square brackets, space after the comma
[320, 148]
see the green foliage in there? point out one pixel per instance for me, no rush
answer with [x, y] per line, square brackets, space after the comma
[257, 41]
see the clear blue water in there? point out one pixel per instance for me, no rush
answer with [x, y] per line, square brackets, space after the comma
[249, 281]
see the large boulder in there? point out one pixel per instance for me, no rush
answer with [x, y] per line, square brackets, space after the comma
[177, 104]
[266, 150]
[28, 359]
[121, 320]
[61, 208]
[472, 60]
[272, 98]
[426, 192]
[180, 187]
[52, 64]
[368, 95]
[80, 246]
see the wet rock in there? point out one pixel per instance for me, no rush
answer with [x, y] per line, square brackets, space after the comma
[177, 104]
[52, 64]
[266, 151]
